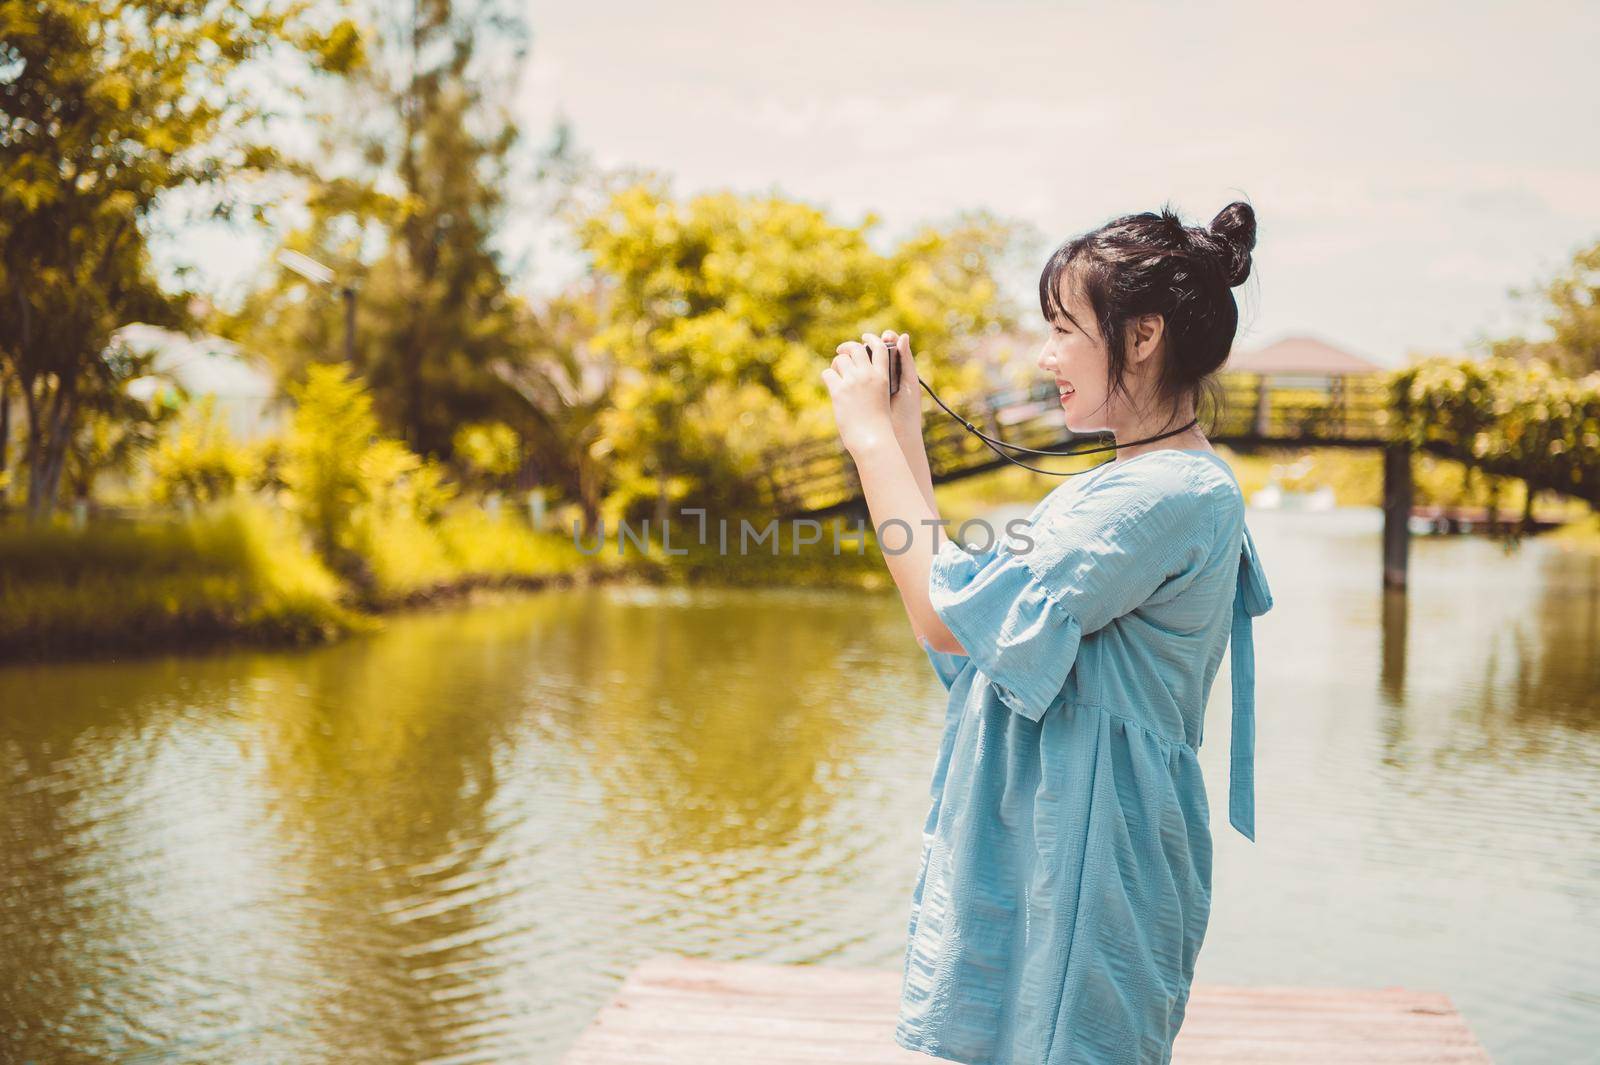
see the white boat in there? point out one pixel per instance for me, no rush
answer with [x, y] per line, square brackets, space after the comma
[1275, 497]
[1268, 498]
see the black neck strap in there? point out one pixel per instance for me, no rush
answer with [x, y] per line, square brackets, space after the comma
[995, 444]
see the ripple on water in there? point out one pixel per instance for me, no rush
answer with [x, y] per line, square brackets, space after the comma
[450, 842]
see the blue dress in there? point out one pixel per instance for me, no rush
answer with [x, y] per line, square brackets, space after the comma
[1065, 881]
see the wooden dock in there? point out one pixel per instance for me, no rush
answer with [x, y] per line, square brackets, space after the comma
[674, 1010]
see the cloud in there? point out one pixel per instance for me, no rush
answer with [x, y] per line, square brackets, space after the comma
[1408, 163]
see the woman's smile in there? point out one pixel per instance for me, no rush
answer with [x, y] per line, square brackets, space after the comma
[1066, 391]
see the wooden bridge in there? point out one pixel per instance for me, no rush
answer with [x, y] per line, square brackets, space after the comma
[1298, 393]
[687, 1011]
[819, 479]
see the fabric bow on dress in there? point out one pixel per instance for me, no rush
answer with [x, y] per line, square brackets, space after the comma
[1251, 599]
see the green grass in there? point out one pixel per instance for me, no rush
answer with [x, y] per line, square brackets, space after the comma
[237, 572]
[242, 572]
[857, 564]
[409, 559]
[1583, 532]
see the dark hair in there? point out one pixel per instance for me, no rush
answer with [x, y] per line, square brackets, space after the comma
[1152, 263]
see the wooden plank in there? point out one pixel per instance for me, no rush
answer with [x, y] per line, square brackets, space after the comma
[673, 1010]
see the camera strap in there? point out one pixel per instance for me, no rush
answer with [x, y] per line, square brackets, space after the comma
[995, 444]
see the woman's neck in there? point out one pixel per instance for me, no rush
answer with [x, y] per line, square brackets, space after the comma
[1191, 437]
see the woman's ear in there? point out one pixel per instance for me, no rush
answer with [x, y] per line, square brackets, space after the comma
[1144, 336]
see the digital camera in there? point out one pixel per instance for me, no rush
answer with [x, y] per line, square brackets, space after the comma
[894, 365]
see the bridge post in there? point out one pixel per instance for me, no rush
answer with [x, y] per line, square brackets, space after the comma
[1397, 496]
[1263, 419]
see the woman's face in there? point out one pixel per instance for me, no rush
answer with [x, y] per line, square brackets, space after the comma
[1076, 356]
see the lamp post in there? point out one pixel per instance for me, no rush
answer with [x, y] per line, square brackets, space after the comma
[313, 271]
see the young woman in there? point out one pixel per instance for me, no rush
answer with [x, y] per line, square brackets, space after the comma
[1066, 870]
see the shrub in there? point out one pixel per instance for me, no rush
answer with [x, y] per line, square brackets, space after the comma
[1522, 418]
[198, 461]
[488, 451]
[332, 430]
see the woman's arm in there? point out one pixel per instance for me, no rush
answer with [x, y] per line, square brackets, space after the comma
[893, 469]
[909, 533]
[905, 412]
[916, 452]
[916, 456]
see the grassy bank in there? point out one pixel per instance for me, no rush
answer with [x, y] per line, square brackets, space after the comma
[238, 573]
[408, 562]
[790, 554]
[242, 572]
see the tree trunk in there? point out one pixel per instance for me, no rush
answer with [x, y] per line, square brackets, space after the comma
[589, 495]
[5, 436]
[33, 443]
[50, 454]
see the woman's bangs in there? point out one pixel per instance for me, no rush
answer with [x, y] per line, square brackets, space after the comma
[1050, 285]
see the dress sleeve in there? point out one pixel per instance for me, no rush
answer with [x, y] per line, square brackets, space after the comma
[1021, 609]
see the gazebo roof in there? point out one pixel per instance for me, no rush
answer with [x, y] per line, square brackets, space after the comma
[203, 364]
[1301, 355]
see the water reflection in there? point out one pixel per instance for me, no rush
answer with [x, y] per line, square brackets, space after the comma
[724, 747]
[381, 777]
[449, 841]
[1396, 616]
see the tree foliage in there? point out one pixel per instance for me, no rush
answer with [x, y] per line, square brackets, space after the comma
[344, 479]
[563, 385]
[105, 107]
[406, 202]
[723, 310]
[198, 461]
[1511, 416]
[1571, 308]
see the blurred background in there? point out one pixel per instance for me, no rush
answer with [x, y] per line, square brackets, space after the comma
[336, 337]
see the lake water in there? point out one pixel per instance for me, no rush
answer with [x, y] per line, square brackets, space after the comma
[449, 842]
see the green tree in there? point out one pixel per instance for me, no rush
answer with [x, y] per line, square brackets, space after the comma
[330, 435]
[116, 427]
[344, 480]
[564, 383]
[1570, 304]
[489, 453]
[105, 107]
[1512, 417]
[407, 203]
[723, 310]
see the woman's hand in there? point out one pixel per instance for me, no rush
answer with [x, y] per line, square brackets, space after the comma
[905, 406]
[858, 385]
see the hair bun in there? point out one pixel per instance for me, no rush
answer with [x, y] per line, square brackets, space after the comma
[1235, 230]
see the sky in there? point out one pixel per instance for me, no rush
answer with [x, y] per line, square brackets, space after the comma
[1409, 163]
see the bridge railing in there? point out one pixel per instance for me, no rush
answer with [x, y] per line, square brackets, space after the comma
[819, 475]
